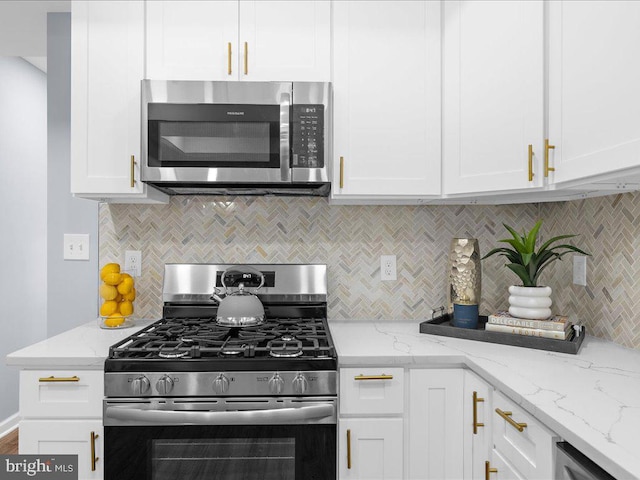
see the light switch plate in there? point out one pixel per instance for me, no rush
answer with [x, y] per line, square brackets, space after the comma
[76, 246]
[580, 270]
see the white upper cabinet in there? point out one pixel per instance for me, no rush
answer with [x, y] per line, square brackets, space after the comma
[386, 82]
[238, 40]
[493, 96]
[594, 94]
[107, 55]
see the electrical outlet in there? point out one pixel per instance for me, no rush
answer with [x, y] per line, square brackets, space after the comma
[580, 270]
[133, 262]
[388, 267]
[76, 246]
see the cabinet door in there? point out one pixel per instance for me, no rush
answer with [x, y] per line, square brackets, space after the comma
[71, 437]
[594, 97]
[493, 95]
[477, 425]
[386, 79]
[435, 424]
[107, 51]
[503, 470]
[370, 448]
[192, 40]
[285, 41]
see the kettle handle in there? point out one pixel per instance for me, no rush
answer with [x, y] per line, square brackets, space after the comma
[242, 275]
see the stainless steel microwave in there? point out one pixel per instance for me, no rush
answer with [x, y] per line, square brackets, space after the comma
[236, 138]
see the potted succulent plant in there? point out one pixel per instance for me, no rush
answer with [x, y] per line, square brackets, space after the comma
[531, 300]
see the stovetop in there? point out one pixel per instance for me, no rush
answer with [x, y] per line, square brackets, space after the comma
[200, 344]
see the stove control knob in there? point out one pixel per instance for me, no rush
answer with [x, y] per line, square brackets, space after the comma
[140, 385]
[164, 385]
[221, 384]
[276, 384]
[300, 384]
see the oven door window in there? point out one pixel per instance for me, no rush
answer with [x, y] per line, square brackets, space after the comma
[229, 452]
[231, 459]
[214, 136]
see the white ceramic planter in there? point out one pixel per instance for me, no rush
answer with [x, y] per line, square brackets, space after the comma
[530, 302]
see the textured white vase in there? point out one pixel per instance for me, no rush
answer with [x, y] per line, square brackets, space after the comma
[530, 302]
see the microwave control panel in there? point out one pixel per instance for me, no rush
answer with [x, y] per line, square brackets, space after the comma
[307, 137]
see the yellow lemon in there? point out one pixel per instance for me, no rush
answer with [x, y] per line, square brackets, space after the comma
[113, 321]
[112, 278]
[125, 285]
[109, 268]
[118, 297]
[126, 275]
[126, 308]
[108, 292]
[131, 296]
[108, 308]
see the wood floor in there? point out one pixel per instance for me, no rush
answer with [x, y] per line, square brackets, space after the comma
[9, 443]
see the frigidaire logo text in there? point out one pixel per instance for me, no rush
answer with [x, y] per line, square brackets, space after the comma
[30, 468]
[235, 113]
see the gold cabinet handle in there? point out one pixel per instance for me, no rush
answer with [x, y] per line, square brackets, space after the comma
[59, 379]
[341, 172]
[133, 171]
[507, 416]
[476, 400]
[229, 58]
[488, 470]
[373, 377]
[531, 174]
[94, 459]
[547, 147]
[348, 449]
[246, 58]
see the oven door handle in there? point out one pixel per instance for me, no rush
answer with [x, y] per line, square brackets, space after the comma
[250, 417]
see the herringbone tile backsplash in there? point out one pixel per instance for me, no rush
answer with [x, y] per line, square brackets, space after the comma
[609, 230]
[350, 240]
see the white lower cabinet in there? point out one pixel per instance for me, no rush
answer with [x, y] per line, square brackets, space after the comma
[523, 441]
[371, 448]
[66, 437]
[435, 424]
[478, 442]
[500, 469]
[61, 413]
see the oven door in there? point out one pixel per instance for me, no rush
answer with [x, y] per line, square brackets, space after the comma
[222, 132]
[187, 439]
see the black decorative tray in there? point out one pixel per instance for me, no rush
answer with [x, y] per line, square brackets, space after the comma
[442, 326]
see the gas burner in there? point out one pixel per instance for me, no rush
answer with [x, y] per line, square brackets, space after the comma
[285, 347]
[172, 352]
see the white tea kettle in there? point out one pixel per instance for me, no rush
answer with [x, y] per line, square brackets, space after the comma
[239, 308]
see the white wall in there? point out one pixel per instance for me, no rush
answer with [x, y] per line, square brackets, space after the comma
[72, 286]
[23, 215]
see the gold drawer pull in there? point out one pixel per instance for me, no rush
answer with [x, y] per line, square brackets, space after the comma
[488, 470]
[246, 58]
[229, 58]
[531, 174]
[348, 449]
[476, 400]
[94, 459]
[59, 379]
[341, 172]
[507, 416]
[373, 377]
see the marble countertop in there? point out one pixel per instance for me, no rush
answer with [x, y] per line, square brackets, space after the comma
[86, 346]
[592, 399]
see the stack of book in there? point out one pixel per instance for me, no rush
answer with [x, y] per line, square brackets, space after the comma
[556, 326]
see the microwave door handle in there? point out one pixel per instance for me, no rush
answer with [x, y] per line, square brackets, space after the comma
[251, 417]
[285, 126]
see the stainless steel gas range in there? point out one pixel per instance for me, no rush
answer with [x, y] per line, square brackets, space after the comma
[190, 397]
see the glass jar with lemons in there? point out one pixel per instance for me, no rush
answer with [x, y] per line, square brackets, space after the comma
[117, 294]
